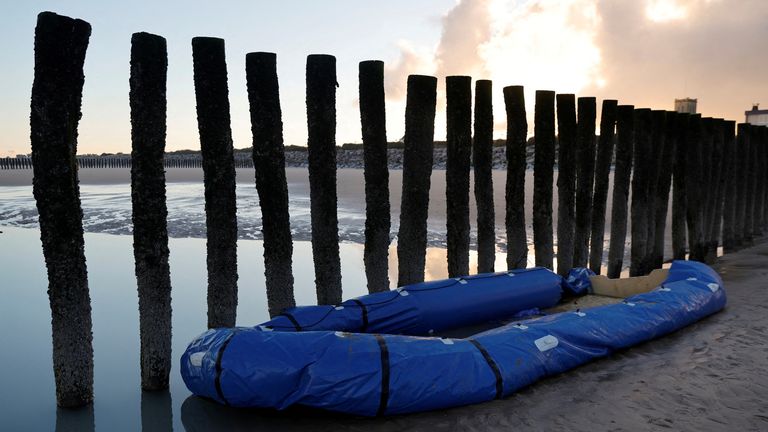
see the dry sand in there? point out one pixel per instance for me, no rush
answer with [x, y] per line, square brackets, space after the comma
[710, 376]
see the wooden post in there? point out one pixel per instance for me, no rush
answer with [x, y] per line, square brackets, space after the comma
[585, 178]
[663, 185]
[625, 142]
[417, 169]
[212, 95]
[764, 179]
[742, 174]
[731, 185]
[643, 159]
[708, 182]
[544, 160]
[679, 201]
[694, 190]
[517, 134]
[716, 186]
[271, 185]
[458, 113]
[656, 159]
[566, 181]
[749, 219]
[60, 45]
[376, 172]
[602, 173]
[321, 147]
[759, 174]
[482, 158]
[149, 67]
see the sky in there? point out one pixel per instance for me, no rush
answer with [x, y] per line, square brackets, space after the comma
[641, 52]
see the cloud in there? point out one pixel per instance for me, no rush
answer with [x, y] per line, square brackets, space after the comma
[710, 50]
[412, 60]
[465, 27]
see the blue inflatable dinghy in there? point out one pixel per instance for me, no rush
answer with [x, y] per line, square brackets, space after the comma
[347, 358]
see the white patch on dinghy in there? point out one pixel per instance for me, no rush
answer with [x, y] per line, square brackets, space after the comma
[713, 287]
[404, 293]
[447, 341]
[581, 314]
[521, 326]
[546, 343]
[691, 279]
[196, 359]
[339, 308]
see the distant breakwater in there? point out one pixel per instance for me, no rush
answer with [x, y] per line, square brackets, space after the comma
[345, 158]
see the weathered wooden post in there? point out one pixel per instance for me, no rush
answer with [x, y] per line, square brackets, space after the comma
[212, 95]
[715, 198]
[585, 178]
[60, 45]
[625, 142]
[566, 181]
[271, 185]
[482, 158]
[417, 168]
[376, 172]
[707, 185]
[321, 147]
[517, 134]
[602, 173]
[666, 142]
[759, 174]
[458, 114]
[640, 200]
[656, 150]
[694, 190]
[149, 67]
[544, 160]
[731, 187]
[679, 200]
[749, 220]
[742, 173]
[764, 179]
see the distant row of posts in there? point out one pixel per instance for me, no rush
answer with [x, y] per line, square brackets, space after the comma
[717, 179]
[168, 161]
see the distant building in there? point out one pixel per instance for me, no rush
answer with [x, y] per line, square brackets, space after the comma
[686, 105]
[756, 116]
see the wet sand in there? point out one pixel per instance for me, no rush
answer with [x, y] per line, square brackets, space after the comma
[351, 201]
[709, 376]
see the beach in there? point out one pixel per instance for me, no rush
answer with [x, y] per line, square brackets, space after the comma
[701, 378]
[708, 376]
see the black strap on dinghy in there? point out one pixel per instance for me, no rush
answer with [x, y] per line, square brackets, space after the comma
[494, 367]
[219, 355]
[365, 315]
[293, 321]
[384, 375]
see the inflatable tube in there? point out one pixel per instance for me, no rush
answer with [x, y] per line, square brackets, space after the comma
[428, 307]
[372, 374]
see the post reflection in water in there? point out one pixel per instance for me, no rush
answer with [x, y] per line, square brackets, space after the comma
[156, 411]
[75, 420]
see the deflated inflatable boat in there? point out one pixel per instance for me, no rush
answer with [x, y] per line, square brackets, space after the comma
[309, 357]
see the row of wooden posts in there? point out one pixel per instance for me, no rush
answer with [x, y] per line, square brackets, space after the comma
[716, 180]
